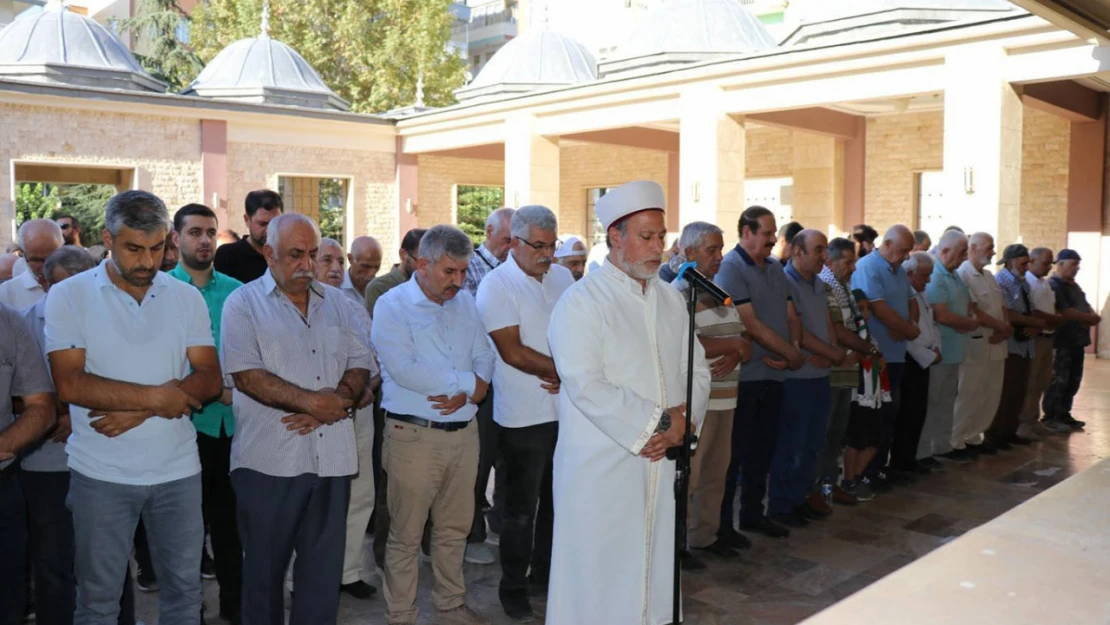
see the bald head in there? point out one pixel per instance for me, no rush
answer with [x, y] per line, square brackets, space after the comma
[1040, 261]
[897, 244]
[39, 238]
[811, 250]
[980, 249]
[365, 261]
[7, 261]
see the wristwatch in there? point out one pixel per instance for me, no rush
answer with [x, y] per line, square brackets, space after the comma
[664, 422]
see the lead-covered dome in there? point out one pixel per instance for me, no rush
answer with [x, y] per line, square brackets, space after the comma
[265, 71]
[689, 31]
[534, 60]
[57, 46]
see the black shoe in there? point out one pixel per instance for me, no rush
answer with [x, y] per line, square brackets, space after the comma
[207, 566]
[809, 514]
[720, 550]
[230, 613]
[877, 483]
[734, 539]
[689, 562]
[516, 605]
[1020, 440]
[359, 590]
[790, 519]
[898, 477]
[1000, 444]
[932, 464]
[145, 580]
[959, 456]
[765, 526]
[987, 448]
[1072, 422]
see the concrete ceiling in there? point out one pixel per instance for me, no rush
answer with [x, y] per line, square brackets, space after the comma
[1089, 19]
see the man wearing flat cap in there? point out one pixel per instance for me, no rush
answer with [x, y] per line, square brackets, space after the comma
[619, 341]
[1020, 346]
[572, 255]
[1069, 343]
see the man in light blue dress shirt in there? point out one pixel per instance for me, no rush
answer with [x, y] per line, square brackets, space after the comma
[436, 367]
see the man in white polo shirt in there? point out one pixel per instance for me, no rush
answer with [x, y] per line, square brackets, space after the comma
[131, 351]
[515, 302]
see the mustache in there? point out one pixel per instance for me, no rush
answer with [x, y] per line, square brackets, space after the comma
[304, 274]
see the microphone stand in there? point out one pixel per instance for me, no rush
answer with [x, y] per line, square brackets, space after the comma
[681, 455]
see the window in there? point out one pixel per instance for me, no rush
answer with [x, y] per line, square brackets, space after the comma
[322, 199]
[775, 194]
[473, 204]
[595, 233]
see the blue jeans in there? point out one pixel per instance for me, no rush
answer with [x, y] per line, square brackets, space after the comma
[754, 432]
[802, 428]
[894, 372]
[105, 515]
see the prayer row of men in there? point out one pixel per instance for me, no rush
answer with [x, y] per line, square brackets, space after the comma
[269, 395]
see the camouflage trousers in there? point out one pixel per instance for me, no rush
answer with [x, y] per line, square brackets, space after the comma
[1067, 373]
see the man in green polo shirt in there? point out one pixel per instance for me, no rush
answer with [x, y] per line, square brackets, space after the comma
[195, 227]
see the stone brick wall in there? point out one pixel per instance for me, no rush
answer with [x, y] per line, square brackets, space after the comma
[588, 166]
[253, 166]
[1046, 140]
[770, 152]
[437, 177]
[165, 151]
[899, 146]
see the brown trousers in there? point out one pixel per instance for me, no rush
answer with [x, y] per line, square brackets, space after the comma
[430, 471]
[707, 477]
[1014, 384]
[1039, 377]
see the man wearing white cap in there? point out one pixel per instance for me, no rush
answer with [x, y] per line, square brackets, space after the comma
[618, 338]
[572, 255]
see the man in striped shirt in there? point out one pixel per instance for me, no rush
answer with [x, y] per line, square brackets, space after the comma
[300, 360]
[720, 332]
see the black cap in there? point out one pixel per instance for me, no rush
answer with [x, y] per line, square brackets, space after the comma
[1067, 255]
[1012, 251]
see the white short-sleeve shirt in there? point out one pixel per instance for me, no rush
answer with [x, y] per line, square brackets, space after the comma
[140, 344]
[21, 291]
[509, 297]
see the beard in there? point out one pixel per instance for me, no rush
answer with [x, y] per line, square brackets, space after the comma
[192, 262]
[638, 270]
[135, 277]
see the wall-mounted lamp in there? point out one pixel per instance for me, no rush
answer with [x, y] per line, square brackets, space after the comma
[215, 200]
[410, 208]
[697, 192]
[969, 180]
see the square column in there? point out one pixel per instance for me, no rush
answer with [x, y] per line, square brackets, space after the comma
[982, 143]
[711, 159]
[531, 164]
[818, 181]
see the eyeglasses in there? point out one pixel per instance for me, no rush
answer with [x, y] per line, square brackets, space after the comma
[540, 246]
[64, 226]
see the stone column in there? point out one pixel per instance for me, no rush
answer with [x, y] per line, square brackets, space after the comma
[213, 159]
[818, 181]
[711, 161]
[982, 143]
[531, 164]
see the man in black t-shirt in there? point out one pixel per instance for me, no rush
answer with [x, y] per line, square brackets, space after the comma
[1070, 341]
[243, 259]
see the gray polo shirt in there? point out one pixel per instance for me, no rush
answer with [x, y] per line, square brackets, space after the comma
[811, 298]
[22, 365]
[768, 291]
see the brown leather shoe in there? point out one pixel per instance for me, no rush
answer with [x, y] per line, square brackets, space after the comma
[843, 498]
[817, 504]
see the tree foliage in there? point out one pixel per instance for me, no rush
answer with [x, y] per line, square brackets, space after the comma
[156, 30]
[85, 202]
[333, 199]
[370, 52]
[474, 206]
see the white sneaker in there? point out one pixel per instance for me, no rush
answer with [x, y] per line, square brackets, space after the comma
[479, 553]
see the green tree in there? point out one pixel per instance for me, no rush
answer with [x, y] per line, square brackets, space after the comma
[475, 204]
[158, 28]
[370, 52]
[333, 198]
[34, 200]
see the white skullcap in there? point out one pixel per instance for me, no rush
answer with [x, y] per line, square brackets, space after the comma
[626, 199]
[567, 248]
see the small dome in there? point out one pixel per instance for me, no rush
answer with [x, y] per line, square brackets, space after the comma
[263, 70]
[57, 46]
[534, 60]
[690, 31]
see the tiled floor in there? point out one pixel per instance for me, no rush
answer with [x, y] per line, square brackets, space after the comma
[786, 581]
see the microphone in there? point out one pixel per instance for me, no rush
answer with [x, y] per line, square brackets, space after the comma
[688, 273]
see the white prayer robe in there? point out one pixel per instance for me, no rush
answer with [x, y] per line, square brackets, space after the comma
[621, 354]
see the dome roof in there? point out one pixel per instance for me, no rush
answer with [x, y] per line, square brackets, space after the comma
[689, 31]
[263, 70]
[834, 23]
[534, 60]
[55, 45]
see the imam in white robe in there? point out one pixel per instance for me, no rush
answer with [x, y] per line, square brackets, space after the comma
[621, 355]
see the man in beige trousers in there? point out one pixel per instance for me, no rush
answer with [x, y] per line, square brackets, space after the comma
[1044, 307]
